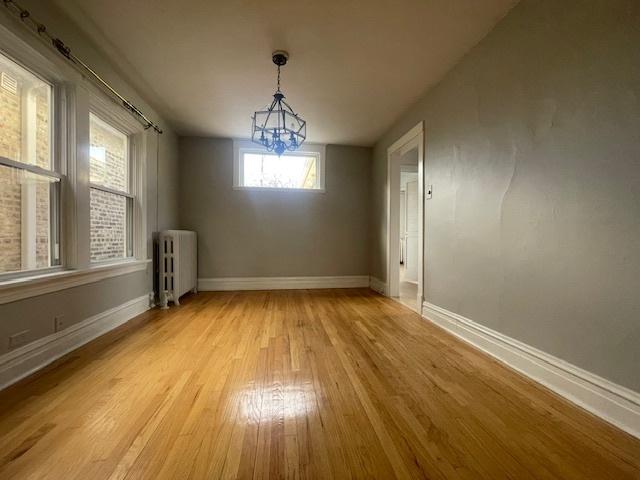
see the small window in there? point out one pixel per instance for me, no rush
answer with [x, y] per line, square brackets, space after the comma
[29, 179]
[287, 171]
[257, 169]
[111, 203]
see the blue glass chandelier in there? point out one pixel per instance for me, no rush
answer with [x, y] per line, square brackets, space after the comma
[278, 128]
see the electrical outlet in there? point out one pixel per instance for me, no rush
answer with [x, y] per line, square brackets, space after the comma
[18, 339]
[59, 323]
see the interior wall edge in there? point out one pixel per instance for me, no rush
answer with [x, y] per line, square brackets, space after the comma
[77, 300]
[24, 361]
[262, 233]
[378, 285]
[530, 145]
[614, 403]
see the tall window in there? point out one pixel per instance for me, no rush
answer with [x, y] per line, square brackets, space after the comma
[111, 202]
[29, 179]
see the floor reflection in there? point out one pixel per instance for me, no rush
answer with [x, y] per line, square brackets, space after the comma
[277, 401]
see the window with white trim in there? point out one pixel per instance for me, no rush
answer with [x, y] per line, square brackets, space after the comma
[66, 211]
[29, 173]
[254, 168]
[111, 200]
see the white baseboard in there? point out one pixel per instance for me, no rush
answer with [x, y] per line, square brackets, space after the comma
[281, 283]
[22, 362]
[377, 285]
[615, 404]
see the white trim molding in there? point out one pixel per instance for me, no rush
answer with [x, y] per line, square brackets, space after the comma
[25, 287]
[615, 404]
[407, 137]
[281, 283]
[377, 285]
[22, 362]
[413, 139]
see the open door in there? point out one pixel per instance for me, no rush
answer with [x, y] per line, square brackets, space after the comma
[405, 250]
[411, 234]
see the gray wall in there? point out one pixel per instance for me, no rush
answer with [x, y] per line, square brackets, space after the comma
[79, 303]
[76, 304]
[533, 150]
[245, 233]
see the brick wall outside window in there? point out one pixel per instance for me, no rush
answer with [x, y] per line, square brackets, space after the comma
[108, 211]
[12, 180]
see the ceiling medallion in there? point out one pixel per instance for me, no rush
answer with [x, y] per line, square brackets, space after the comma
[278, 128]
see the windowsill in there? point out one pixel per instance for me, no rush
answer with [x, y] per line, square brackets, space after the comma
[26, 287]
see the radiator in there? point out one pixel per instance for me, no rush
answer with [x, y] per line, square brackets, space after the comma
[177, 265]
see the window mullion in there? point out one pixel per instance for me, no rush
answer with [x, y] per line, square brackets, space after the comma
[97, 186]
[7, 162]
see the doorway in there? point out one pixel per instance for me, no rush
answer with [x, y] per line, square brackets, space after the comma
[405, 207]
[408, 290]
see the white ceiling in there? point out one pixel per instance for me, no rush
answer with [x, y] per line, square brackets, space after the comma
[355, 65]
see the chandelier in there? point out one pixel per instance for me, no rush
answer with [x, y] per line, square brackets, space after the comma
[278, 128]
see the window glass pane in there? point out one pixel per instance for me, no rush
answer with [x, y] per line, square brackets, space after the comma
[109, 226]
[109, 155]
[26, 220]
[271, 171]
[25, 115]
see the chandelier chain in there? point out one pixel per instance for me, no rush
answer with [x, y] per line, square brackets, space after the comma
[278, 78]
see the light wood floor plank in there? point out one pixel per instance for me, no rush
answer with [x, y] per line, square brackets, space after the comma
[309, 384]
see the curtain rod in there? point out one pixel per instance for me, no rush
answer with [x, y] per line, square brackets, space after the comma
[41, 30]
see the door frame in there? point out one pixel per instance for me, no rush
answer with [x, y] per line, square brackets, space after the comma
[413, 139]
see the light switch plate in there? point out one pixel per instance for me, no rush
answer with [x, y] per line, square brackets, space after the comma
[429, 192]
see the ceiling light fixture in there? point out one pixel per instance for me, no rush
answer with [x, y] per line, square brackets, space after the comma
[278, 128]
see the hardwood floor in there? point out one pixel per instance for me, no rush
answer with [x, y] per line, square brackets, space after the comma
[409, 295]
[296, 384]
